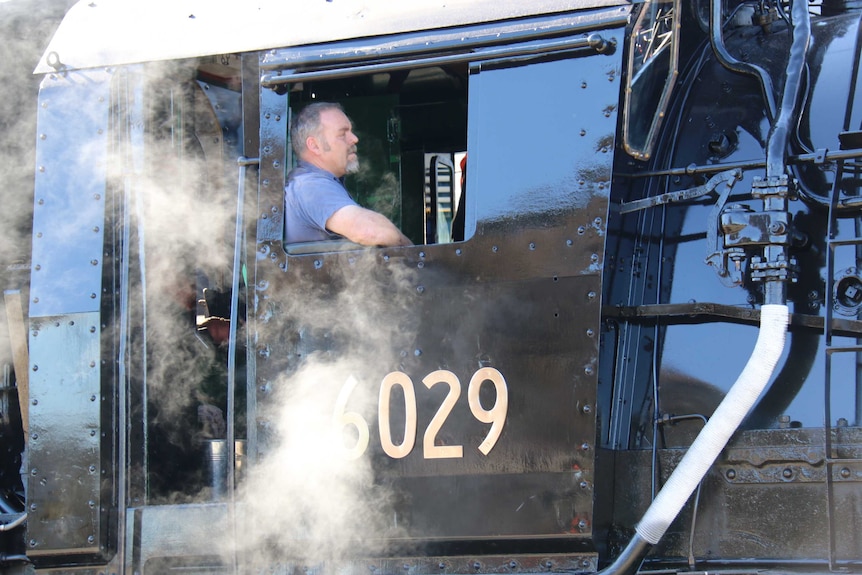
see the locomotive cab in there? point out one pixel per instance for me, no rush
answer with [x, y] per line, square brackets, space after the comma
[616, 210]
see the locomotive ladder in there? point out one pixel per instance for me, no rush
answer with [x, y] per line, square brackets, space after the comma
[832, 459]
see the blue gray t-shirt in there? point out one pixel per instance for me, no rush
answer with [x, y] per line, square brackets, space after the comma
[311, 196]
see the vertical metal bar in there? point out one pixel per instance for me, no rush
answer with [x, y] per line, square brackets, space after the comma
[232, 343]
[827, 382]
[122, 379]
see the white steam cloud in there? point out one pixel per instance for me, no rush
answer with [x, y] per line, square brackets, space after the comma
[303, 501]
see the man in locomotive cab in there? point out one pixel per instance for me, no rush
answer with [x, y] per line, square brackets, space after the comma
[317, 206]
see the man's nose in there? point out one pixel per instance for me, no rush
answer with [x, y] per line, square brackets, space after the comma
[354, 139]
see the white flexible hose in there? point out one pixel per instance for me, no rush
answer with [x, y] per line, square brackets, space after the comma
[723, 423]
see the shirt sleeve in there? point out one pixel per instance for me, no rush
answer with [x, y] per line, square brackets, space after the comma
[317, 198]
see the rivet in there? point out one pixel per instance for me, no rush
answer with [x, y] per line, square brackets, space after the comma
[94, 262]
[495, 249]
[93, 397]
[37, 267]
[417, 352]
[730, 474]
[92, 329]
[34, 436]
[91, 539]
[585, 446]
[583, 132]
[42, 169]
[92, 296]
[458, 252]
[35, 368]
[532, 245]
[92, 364]
[787, 473]
[35, 402]
[588, 371]
[42, 136]
[92, 468]
[590, 332]
[41, 202]
[591, 295]
[587, 408]
[845, 472]
[97, 196]
[420, 289]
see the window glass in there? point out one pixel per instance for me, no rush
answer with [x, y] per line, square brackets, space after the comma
[652, 71]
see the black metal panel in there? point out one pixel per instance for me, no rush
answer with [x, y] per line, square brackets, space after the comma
[66, 461]
[766, 497]
[521, 296]
[65, 476]
[68, 217]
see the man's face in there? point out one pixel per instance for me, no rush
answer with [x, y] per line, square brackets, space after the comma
[337, 144]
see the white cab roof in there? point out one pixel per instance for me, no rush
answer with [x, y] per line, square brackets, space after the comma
[98, 33]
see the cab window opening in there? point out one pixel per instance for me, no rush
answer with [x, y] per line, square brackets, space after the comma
[412, 130]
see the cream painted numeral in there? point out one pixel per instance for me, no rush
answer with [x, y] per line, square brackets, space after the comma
[432, 451]
[496, 416]
[391, 380]
[342, 418]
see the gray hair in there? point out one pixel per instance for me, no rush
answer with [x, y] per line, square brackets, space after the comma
[306, 124]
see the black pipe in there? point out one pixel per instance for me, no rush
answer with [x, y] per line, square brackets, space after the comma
[776, 147]
[735, 65]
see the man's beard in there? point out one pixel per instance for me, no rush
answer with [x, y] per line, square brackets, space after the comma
[352, 165]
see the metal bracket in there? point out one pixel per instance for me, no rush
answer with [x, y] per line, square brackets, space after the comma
[728, 177]
[718, 258]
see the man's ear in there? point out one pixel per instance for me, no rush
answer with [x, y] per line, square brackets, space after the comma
[313, 146]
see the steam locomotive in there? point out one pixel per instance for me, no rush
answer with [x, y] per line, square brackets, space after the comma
[627, 335]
